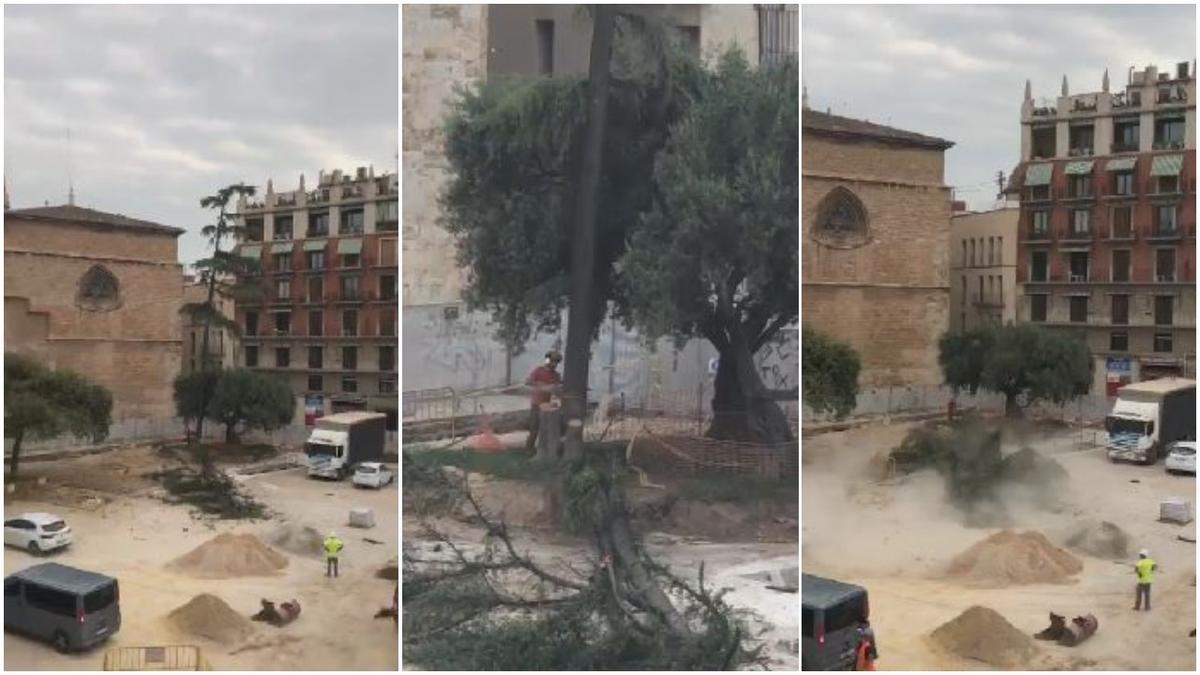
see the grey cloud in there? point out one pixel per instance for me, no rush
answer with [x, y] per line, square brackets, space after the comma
[168, 103]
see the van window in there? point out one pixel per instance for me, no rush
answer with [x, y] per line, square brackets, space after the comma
[844, 615]
[100, 598]
[12, 588]
[809, 626]
[50, 600]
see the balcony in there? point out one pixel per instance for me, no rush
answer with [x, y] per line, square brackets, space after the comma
[288, 199]
[1165, 234]
[1169, 145]
[1081, 105]
[1124, 147]
[1171, 95]
[1045, 111]
[352, 192]
[985, 302]
[357, 297]
[1080, 152]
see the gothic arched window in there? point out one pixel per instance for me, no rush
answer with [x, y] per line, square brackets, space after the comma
[841, 219]
[98, 290]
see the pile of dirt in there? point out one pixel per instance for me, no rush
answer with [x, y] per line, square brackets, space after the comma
[296, 539]
[230, 555]
[1007, 558]
[208, 616]
[981, 634]
[1098, 538]
[1028, 466]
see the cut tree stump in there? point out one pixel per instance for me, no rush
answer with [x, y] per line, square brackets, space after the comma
[549, 440]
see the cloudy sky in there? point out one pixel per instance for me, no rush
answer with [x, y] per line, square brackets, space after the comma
[166, 104]
[958, 71]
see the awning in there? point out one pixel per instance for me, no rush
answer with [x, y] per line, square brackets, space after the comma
[1079, 168]
[251, 252]
[1167, 165]
[318, 245]
[1121, 164]
[1038, 174]
[282, 247]
[349, 246]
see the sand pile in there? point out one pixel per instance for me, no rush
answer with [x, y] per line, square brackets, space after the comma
[230, 555]
[1008, 558]
[208, 616]
[297, 539]
[1099, 538]
[983, 635]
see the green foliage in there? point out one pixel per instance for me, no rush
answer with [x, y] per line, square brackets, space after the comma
[251, 399]
[211, 491]
[193, 391]
[828, 373]
[499, 464]
[40, 403]
[583, 491]
[1019, 360]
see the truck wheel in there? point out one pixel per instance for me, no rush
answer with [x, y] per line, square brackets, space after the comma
[61, 644]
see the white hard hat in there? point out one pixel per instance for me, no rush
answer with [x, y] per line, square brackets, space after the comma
[333, 535]
[1144, 553]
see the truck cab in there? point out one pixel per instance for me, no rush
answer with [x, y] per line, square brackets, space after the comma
[326, 450]
[342, 441]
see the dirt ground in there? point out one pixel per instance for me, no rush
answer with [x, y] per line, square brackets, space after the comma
[132, 536]
[896, 539]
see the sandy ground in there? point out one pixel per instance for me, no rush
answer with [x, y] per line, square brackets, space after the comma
[897, 539]
[133, 537]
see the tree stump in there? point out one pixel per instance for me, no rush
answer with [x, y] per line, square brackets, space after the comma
[549, 440]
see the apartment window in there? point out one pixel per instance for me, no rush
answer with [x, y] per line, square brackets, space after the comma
[316, 323]
[283, 228]
[1118, 341]
[1079, 308]
[254, 229]
[387, 385]
[387, 323]
[1038, 192]
[351, 260]
[1164, 219]
[349, 288]
[283, 262]
[1164, 343]
[1044, 141]
[350, 358]
[350, 322]
[282, 357]
[316, 260]
[251, 323]
[1078, 262]
[1081, 140]
[316, 358]
[316, 383]
[352, 222]
[1126, 134]
[387, 286]
[972, 253]
[283, 289]
[999, 250]
[349, 384]
[1169, 131]
[1122, 222]
[979, 297]
[387, 252]
[251, 356]
[387, 358]
[1080, 222]
[1040, 221]
[545, 46]
[1123, 182]
[689, 37]
[1037, 307]
[964, 254]
[1081, 186]
[991, 250]
[1164, 264]
[1120, 265]
[1164, 310]
[1167, 185]
[283, 323]
[387, 216]
[1120, 309]
[1039, 266]
[318, 224]
[316, 289]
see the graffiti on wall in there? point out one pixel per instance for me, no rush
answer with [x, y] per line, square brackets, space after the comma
[461, 346]
[777, 361]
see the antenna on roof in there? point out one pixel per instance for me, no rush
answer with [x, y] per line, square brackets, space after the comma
[70, 179]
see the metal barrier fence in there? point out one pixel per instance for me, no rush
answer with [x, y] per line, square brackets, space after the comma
[168, 657]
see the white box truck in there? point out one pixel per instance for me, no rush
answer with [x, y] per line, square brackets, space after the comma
[1148, 416]
[343, 440]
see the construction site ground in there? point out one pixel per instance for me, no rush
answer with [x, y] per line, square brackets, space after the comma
[896, 538]
[122, 528]
[741, 545]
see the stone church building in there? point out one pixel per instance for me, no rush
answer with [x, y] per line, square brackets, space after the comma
[99, 294]
[876, 232]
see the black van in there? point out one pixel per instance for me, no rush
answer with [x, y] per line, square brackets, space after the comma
[68, 607]
[831, 614]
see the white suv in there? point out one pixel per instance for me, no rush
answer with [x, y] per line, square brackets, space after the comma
[372, 474]
[37, 532]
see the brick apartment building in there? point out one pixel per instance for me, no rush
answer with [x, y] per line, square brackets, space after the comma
[1108, 223]
[329, 319]
[876, 219]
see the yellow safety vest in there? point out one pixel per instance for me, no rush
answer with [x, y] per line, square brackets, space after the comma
[1145, 571]
[333, 547]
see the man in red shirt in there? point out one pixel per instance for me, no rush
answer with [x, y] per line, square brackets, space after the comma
[544, 381]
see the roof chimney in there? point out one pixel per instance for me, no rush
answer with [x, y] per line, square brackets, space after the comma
[302, 182]
[1028, 90]
[270, 187]
[1064, 87]
[1104, 82]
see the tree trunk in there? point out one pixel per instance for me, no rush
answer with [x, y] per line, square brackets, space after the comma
[1011, 409]
[230, 435]
[212, 291]
[549, 438]
[583, 249]
[16, 457]
[742, 408]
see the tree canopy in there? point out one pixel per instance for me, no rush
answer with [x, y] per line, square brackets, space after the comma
[250, 399]
[829, 373]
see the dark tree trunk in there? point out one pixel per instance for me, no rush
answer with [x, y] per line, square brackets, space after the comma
[743, 409]
[16, 457]
[231, 433]
[583, 250]
[1011, 408]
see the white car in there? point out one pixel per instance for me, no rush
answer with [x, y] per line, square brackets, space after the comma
[37, 532]
[372, 474]
[1182, 458]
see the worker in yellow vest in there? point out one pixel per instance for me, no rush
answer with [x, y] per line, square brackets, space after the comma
[1145, 575]
[333, 549]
